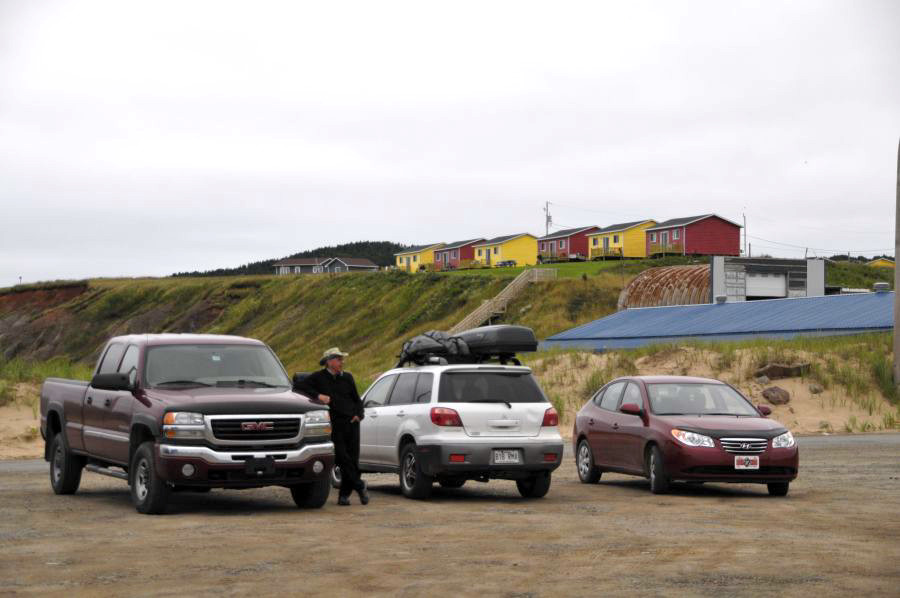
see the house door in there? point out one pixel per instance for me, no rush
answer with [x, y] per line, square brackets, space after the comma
[487, 257]
[552, 248]
[605, 245]
[408, 264]
[664, 238]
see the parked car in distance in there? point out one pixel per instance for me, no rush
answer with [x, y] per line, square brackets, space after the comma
[169, 412]
[676, 428]
[506, 264]
[453, 423]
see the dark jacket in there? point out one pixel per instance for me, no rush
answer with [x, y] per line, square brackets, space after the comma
[345, 401]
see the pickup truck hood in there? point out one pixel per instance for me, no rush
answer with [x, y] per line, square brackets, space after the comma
[719, 426]
[233, 401]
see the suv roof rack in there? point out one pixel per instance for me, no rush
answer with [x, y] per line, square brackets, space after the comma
[478, 345]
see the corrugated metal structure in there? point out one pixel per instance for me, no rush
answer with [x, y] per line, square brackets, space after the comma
[668, 285]
[775, 318]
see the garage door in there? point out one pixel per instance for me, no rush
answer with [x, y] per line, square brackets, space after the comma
[766, 285]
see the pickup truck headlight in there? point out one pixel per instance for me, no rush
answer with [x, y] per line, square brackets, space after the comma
[786, 440]
[183, 424]
[317, 423]
[692, 438]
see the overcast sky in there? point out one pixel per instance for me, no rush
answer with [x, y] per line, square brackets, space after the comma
[149, 138]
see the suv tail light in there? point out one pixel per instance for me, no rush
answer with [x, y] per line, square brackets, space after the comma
[551, 418]
[441, 416]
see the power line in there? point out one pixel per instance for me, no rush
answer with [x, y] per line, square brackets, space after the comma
[839, 251]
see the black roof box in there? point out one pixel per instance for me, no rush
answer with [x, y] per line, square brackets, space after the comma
[499, 339]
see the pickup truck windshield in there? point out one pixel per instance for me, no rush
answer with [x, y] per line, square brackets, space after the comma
[698, 399]
[489, 387]
[171, 366]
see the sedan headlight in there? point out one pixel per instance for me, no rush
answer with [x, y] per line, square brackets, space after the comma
[318, 423]
[786, 440]
[183, 424]
[692, 438]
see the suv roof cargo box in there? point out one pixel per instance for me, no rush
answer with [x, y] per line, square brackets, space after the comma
[494, 340]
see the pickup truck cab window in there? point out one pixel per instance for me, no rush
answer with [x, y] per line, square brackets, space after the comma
[213, 365]
[111, 358]
[129, 363]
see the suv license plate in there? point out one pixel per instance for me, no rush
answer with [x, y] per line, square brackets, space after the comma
[746, 462]
[507, 457]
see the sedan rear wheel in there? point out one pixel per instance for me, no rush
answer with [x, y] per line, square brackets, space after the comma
[588, 473]
[779, 488]
[659, 481]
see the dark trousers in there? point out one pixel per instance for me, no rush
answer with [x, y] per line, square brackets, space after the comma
[345, 436]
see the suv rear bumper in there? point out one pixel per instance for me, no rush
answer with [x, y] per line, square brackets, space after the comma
[434, 459]
[235, 469]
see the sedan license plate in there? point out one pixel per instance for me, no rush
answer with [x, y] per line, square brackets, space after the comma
[746, 462]
[507, 457]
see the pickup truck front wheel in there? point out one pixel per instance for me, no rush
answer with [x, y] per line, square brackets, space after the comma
[65, 468]
[312, 495]
[149, 493]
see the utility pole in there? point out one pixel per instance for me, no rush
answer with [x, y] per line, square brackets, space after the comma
[548, 219]
[745, 233]
[750, 251]
[897, 276]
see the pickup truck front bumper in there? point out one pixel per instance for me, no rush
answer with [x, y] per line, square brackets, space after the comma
[243, 469]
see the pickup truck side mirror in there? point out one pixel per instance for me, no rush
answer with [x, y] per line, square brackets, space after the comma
[630, 409]
[114, 381]
[298, 378]
[764, 410]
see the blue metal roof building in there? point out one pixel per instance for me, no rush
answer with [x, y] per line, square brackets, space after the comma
[775, 318]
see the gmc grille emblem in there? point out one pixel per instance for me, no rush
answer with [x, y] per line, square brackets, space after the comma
[257, 426]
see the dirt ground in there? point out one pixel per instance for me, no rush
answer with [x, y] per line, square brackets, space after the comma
[836, 533]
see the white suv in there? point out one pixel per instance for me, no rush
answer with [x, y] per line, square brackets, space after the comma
[452, 423]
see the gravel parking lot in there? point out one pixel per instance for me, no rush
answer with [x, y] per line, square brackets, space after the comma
[838, 532]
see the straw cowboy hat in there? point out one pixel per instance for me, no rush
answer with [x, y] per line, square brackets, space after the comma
[332, 352]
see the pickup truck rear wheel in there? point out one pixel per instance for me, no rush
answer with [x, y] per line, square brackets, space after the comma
[65, 468]
[312, 495]
[149, 492]
[535, 486]
[413, 481]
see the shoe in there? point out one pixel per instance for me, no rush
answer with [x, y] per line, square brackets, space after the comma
[344, 501]
[363, 492]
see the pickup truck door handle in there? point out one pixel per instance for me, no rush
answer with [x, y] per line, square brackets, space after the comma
[90, 400]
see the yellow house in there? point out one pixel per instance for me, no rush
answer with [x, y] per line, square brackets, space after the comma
[521, 249]
[881, 262]
[620, 240]
[417, 258]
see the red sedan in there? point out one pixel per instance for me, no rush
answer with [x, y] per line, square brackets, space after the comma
[677, 428]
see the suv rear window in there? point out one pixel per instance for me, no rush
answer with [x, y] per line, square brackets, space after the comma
[489, 387]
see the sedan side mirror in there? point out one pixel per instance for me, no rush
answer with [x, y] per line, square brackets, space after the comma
[631, 409]
[764, 410]
[114, 381]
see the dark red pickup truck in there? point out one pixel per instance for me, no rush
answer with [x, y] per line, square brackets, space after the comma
[172, 412]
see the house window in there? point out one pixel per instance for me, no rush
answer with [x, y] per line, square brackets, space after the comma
[415, 258]
[675, 234]
[543, 247]
[653, 237]
[453, 255]
[496, 250]
[615, 238]
[479, 253]
[562, 244]
[594, 241]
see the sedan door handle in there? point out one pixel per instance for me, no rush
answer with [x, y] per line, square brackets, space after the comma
[616, 426]
[400, 414]
[591, 421]
[107, 402]
[373, 414]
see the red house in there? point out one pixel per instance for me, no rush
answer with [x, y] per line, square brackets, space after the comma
[696, 235]
[455, 255]
[564, 244]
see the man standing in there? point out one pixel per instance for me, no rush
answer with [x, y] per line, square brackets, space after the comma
[337, 389]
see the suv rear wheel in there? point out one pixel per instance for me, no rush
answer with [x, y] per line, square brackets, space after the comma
[535, 486]
[413, 481]
[312, 495]
[65, 468]
[588, 473]
[149, 492]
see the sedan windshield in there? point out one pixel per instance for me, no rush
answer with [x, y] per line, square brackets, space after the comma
[698, 399]
[171, 366]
